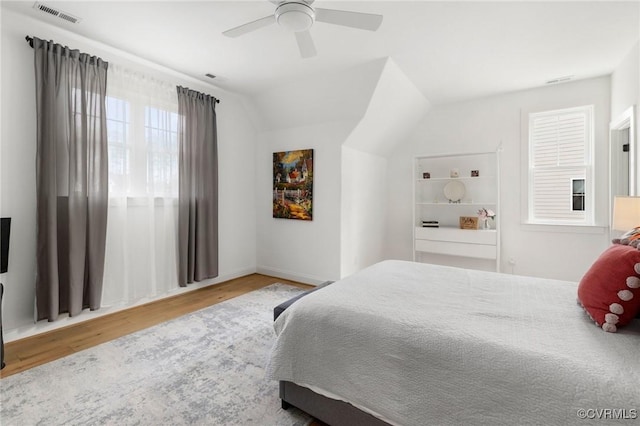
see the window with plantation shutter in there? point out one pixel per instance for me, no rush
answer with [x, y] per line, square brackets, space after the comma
[561, 167]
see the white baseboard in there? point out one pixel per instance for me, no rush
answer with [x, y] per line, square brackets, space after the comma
[64, 320]
[292, 276]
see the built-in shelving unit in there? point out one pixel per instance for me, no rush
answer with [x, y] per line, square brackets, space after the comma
[477, 186]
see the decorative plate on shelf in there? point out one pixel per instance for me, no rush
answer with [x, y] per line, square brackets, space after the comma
[454, 190]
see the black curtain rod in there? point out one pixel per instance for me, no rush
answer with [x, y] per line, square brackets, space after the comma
[30, 41]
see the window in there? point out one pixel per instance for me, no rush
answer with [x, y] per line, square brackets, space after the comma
[561, 167]
[161, 134]
[142, 129]
[118, 114]
[577, 201]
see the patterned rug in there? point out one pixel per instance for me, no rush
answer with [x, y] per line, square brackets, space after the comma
[205, 368]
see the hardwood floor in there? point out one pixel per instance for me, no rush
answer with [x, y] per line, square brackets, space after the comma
[20, 355]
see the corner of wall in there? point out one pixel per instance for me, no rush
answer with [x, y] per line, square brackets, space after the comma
[395, 108]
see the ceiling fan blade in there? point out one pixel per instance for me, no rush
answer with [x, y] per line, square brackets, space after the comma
[251, 26]
[305, 44]
[363, 21]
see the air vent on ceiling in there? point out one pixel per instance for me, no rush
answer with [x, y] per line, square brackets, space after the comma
[560, 79]
[210, 75]
[56, 12]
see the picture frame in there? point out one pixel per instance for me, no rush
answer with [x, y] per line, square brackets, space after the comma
[293, 184]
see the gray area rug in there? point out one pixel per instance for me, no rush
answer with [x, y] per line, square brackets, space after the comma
[205, 368]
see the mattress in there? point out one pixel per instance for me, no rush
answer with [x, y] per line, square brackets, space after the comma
[418, 344]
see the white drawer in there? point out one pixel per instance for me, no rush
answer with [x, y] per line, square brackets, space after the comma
[470, 236]
[481, 251]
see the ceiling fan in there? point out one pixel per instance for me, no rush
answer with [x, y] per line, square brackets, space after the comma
[298, 16]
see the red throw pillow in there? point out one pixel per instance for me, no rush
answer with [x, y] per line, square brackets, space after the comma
[610, 290]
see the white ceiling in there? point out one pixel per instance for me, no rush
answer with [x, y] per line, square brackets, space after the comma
[451, 50]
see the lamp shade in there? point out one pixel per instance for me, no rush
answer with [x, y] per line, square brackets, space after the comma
[626, 213]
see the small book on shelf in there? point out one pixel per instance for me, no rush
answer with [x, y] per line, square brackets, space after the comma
[430, 224]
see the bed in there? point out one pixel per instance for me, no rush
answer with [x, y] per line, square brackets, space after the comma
[407, 343]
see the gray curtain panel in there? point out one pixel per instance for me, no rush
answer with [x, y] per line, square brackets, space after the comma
[72, 179]
[198, 187]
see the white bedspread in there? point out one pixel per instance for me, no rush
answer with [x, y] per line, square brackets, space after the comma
[418, 344]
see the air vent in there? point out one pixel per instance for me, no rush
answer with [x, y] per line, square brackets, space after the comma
[560, 79]
[210, 75]
[56, 12]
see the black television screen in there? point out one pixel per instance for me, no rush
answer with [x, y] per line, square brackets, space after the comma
[5, 229]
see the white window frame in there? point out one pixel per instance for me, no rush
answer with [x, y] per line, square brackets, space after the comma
[123, 121]
[589, 217]
[139, 183]
[573, 194]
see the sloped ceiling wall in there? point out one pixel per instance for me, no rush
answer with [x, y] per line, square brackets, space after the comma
[377, 96]
[357, 115]
[395, 108]
[320, 98]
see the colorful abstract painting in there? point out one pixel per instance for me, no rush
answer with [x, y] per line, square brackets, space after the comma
[293, 184]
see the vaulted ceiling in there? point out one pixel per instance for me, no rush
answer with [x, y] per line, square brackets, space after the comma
[450, 50]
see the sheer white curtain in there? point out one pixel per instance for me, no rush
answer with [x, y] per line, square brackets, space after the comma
[142, 128]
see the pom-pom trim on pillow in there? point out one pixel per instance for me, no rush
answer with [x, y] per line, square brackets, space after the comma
[610, 290]
[631, 238]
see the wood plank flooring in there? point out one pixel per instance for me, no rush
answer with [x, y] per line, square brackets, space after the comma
[20, 355]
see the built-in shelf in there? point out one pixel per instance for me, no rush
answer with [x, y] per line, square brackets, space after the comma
[456, 204]
[458, 178]
[430, 204]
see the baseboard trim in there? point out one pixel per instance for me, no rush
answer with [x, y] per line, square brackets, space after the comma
[64, 320]
[289, 275]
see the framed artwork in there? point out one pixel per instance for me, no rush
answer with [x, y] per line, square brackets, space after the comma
[293, 184]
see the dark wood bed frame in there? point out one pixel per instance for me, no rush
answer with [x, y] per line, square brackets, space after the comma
[327, 410]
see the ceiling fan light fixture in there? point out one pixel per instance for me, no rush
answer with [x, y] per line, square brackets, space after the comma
[295, 17]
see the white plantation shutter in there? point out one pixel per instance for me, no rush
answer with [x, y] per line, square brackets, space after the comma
[560, 146]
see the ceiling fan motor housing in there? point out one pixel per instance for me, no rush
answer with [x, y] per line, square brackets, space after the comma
[295, 16]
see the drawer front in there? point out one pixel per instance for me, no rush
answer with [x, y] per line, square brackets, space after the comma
[481, 251]
[469, 236]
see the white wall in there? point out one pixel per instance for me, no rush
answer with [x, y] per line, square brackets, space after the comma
[625, 92]
[481, 125]
[352, 119]
[395, 108]
[625, 83]
[315, 113]
[236, 145]
[364, 209]
[307, 251]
